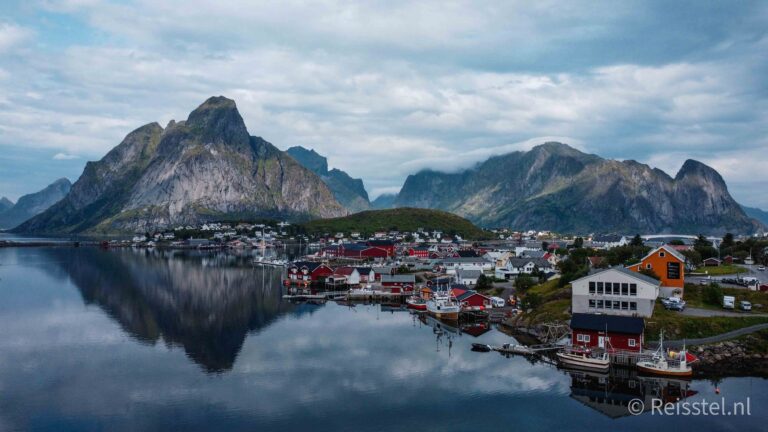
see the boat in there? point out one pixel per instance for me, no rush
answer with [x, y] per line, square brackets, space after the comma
[416, 303]
[584, 358]
[443, 306]
[668, 363]
[481, 347]
[514, 349]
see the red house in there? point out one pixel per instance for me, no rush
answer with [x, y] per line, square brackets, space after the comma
[387, 245]
[308, 272]
[470, 299]
[419, 252]
[611, 332]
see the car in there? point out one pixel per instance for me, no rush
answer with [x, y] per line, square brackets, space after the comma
[673, 303]
[761, 268]
[745, 305]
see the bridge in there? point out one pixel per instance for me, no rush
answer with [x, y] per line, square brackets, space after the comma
[715, 240]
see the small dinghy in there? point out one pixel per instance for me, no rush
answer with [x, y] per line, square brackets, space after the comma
[481, 347]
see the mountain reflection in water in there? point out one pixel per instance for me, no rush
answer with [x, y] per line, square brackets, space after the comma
[205, 303]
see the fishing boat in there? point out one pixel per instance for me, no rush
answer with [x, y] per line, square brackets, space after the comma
[668, 363]
[416, 303]
[443, 306]
[481, 347]
[584, 358]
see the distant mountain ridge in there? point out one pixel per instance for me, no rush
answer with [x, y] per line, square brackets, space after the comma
[757, 214]
[205, 168]
[32, 204]
[556, 187]
[384, 201]
[350, 192]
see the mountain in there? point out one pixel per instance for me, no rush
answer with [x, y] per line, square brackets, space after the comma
[34, 204]
[400, 219]
[384, 201]
[349, 191]
[556, 187]
[757, 214]
[205, 168]
[5, 204]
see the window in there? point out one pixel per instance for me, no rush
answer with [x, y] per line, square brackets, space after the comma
[624, 289]
[586, 338]
[624, 305]
[673, 270]
[582, 338]
[631, 342]
[600, 304]
[608, 304]
[591, 287]
[633, 306]
[599, 287]
[616, 305]
[633, 289]
[648, 266]
[592, 303]
[662, 254]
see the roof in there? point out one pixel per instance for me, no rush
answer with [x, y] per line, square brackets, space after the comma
[465, 260]
[611, 323]
[469, 293]
[467, 253]
[310, 265]
[401, 278]
[346, 271]
[520, 262]
[533, 254]
[595, 260]
[471, 274]
[364, 270]
[626, 271]
[381, 243]
[667, 248]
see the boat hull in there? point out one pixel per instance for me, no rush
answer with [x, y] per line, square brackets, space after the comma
[581, 362]
[647, 369]
[448, 316]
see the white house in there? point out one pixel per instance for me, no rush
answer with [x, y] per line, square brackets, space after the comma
[466, 263]
[517, 266]
[615, 291]
[468, 277]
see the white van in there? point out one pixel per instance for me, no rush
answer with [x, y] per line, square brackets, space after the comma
[729, 302]
[498, 302]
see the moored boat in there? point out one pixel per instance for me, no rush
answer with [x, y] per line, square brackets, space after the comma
[584, 358]
[668, 363]
[416, 303]
[481, 347]
[443, 306]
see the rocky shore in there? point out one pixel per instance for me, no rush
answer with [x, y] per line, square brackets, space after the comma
[744, 356]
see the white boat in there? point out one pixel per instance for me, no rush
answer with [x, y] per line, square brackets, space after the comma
[668, 363]
[443, 306]
[584, 358]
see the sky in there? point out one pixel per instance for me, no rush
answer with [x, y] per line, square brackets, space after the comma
[387, 88]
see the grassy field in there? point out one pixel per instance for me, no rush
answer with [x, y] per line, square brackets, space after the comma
[694, 297]
[555, 306]
[726, 269]
[399, 219]
[678, 326]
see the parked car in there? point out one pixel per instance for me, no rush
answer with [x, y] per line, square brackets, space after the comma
[761, 268]
[673, 303]
[745, 305]
[729, 302]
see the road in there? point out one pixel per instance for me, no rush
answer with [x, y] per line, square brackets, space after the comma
[706, 313]
[713, 339]
[752, 271]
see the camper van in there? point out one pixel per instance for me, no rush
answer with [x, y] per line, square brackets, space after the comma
[497, 302]
[729, 302]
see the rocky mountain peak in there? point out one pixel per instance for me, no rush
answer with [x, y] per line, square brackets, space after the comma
[217, 120]
[310, 159]
[694, 168]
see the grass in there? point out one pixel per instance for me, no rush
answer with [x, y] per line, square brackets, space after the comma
[694, 298]
[677, 326]
[399, 219]
[555, 306]
[726, 269]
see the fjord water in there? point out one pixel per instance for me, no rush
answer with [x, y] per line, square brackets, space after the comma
[124, 339]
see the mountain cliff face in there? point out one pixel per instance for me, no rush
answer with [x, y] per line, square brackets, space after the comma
[384, 201]
[755, 213]
[556, 187]
[5, 204]
[349, 191]
[204, 168]
[33, 204]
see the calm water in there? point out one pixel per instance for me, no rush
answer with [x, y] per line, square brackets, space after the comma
[132, 340]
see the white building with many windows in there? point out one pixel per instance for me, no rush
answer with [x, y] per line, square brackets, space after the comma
[615, 291]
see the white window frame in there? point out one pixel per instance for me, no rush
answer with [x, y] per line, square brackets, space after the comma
[632, 342]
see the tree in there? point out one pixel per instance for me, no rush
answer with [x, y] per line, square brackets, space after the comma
[650, 273]
[544, 245]
[727, 242]
[484, 283]
[532, 301]
[578, 243]
[636, 240]
[712, 294]
[677, 242]
[523, 283]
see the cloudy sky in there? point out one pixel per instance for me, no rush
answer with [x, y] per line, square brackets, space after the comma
[386, 88]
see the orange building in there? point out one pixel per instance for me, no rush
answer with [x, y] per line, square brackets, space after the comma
[669, 266]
